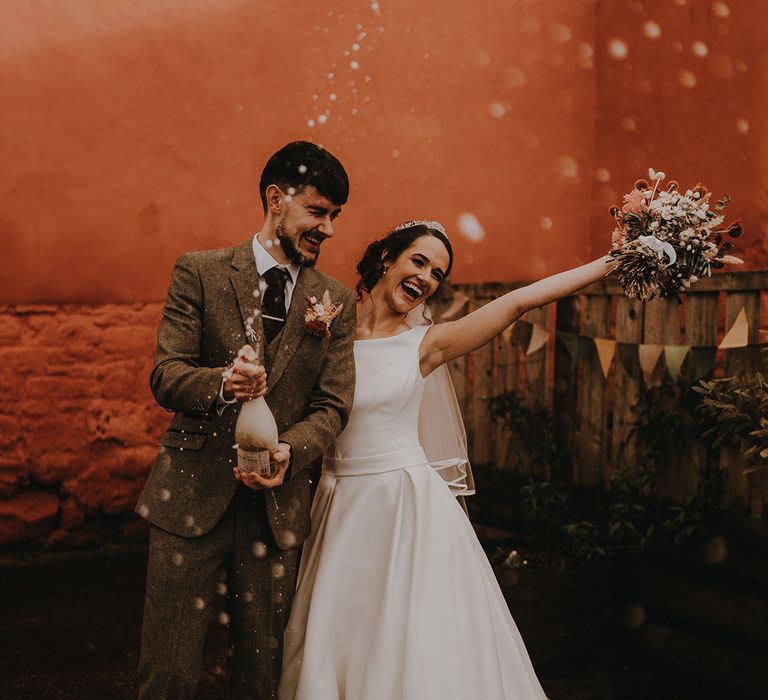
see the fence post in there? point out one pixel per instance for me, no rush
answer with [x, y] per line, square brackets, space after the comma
[536, 365]
[747, 488]
[745, 360]
[568, 320]
[505, 379]
[483, 389]
[701, 310]
[662, 326]
[626, 386]
[590, 440]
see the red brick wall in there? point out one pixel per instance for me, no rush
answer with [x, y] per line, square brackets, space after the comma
[78, 426]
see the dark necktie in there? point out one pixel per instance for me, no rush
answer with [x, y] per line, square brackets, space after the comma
[273, 302]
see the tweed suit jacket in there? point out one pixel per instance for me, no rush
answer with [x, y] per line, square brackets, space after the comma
[310, 390]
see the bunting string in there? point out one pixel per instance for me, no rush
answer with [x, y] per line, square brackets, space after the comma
[532, 337]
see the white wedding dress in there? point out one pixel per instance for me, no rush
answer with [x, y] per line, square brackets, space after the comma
[396, 599]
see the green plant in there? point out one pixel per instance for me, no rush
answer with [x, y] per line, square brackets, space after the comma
[632, 512]
[701, 508]
[570, 526]
[562, 526]
[664, 414]
[531, 428]
[732, 412]
[545, 507]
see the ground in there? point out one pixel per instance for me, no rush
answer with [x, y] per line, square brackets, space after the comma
[70, 625]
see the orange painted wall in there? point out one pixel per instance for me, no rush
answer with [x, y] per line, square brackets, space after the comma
[682, 86]
[135, 130]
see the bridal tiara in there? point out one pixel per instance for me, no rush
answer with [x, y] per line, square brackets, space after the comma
[436, 225]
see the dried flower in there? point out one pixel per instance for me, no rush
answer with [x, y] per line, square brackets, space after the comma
[319, 314]
[634, 202]
[665, 241]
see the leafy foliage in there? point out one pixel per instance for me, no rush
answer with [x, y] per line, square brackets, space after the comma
[570, 526]
[532, 431]
[733, 412]
[664, 414]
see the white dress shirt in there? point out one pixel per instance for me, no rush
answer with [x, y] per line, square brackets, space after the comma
[264, 262]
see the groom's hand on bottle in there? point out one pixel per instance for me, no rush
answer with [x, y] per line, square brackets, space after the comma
[281, 459]
[246, 378]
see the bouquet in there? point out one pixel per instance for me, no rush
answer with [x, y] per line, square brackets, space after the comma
[666, 241]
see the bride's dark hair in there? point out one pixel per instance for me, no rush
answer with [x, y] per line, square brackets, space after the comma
[371, 265]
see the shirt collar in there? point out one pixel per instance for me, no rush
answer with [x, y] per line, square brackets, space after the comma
[264, 261]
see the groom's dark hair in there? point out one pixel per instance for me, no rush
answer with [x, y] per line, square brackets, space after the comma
[301, 163]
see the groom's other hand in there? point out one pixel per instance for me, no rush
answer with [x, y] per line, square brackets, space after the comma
[281, 458]
[246, 378]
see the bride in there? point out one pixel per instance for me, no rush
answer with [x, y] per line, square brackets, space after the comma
[396, 600]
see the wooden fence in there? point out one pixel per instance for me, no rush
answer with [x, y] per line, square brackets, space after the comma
[594, 416]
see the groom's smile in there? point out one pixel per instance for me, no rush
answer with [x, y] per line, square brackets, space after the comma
[313, 240]
[306, 222]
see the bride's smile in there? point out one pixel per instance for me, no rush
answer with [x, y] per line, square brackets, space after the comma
[399, 274]
[415, 275]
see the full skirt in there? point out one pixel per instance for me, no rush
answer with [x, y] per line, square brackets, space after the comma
[396, 600]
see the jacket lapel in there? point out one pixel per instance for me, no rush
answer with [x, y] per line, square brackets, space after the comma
[285, 344]
[245, 281]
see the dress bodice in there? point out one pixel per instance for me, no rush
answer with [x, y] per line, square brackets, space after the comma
[388, 391]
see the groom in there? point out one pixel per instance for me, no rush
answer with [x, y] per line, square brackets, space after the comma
[201, 516]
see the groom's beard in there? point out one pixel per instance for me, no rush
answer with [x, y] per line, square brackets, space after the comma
[292, 251]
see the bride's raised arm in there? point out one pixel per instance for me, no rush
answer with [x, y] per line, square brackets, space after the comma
[447, 341]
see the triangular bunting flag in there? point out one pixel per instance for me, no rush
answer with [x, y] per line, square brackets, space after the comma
[738, 335]
[575, 345]
[674, 355]
[649, 356]
[703, 362]
[506, 334]
[606, 349]
[539, 338]
[649, 359]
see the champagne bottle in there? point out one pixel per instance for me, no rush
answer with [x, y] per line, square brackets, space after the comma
[256, 437]
[255, 430]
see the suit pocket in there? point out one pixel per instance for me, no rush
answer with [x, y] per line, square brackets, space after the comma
[183, 441]
[189, 424]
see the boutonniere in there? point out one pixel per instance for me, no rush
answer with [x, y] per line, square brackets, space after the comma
[319, 314]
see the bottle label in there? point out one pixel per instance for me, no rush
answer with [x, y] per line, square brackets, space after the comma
[254, 461]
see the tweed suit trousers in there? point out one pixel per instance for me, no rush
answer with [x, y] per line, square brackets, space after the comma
[174, 630]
